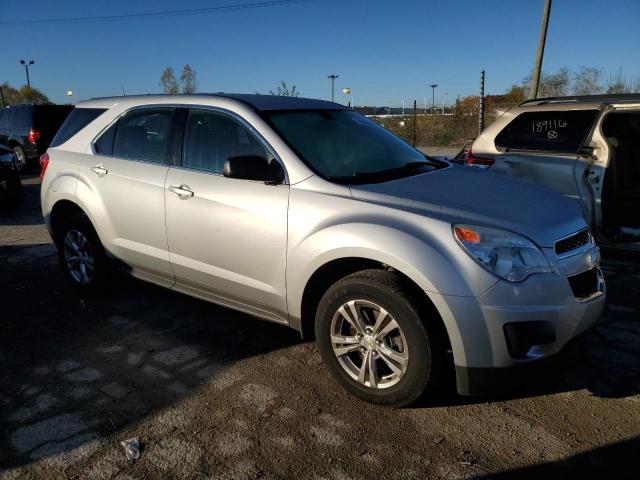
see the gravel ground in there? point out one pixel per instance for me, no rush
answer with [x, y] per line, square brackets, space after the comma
[212, 393]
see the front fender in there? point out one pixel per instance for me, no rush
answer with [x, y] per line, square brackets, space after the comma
[431, 265]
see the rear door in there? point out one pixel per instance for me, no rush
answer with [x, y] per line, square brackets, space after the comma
[125, 177]
[545, 147]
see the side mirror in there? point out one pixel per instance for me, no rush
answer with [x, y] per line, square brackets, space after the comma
[254, 167]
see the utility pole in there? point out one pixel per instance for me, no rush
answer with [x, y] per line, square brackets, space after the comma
[481, 107]
[333, 79]
[26, 67]
[433, 96]
[535, 75]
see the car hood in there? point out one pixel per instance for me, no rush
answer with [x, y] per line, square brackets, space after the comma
[467, 195]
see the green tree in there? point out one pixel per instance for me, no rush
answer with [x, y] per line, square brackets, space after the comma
[515, 95]
[188, 80]
[168, 81]
[25, 94]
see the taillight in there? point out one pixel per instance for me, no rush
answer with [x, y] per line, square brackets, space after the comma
[44, 163]
[481, 162]
[34, 136]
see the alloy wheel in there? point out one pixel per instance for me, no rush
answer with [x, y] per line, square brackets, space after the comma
[79, 257]
[369, 344]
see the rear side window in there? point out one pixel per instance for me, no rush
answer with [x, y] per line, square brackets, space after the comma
[556, 131]
[144, 135]
[76, 121]
[23, 117]
[4, 118]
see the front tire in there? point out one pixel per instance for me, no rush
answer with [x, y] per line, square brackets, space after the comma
[372, 337]
[81, 254]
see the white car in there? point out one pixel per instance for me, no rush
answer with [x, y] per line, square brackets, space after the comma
[587, 148]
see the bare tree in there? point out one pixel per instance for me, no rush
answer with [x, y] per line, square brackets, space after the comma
[551, 84]
[284, 91]
[617, 84]
[587, 81]
[188, 80]
[168, 81]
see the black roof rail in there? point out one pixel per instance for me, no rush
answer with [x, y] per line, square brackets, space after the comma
[604, 98]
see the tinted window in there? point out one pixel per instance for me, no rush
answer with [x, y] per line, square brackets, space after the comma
[48, 118]
[211, 138]
[4, 117]
[23, 117]
[144, 135]
[559, 131]
[76, 121]
[104, 144]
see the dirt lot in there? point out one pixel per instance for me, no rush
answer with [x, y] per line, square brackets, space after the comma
[215, 394]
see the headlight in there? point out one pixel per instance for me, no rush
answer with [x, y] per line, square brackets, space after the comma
[506, 254]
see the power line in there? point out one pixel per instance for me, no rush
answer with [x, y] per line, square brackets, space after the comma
[149, 15]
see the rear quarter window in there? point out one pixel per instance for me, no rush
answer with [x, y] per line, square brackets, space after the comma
[555, 131]
[23, 117]
[76, 121]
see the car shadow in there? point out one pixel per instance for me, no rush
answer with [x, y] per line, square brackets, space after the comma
[77, 368]
[610, 461]
[74, 368]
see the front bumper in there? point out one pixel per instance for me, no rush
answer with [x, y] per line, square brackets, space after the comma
[488, 331]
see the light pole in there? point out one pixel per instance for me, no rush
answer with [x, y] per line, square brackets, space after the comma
[433, 96]
[26, 67]
[347, 91]
[333, 80]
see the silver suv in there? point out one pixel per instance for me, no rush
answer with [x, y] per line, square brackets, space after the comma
[305, 213]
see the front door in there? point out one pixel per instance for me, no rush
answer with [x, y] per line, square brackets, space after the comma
[227, 237]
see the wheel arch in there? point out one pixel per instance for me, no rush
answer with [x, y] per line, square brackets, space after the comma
[61, 210]
[336, 269]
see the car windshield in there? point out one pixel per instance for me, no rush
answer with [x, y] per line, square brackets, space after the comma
[346, 147]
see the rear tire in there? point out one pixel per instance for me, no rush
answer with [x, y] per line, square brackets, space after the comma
[388, 352]
[81, 254]
[21, 159]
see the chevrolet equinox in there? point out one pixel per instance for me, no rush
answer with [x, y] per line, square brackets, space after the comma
[308, 214]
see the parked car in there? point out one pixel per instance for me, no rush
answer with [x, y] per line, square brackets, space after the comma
[10, 184]
[308, 214]
[587, 148]
[28, 130]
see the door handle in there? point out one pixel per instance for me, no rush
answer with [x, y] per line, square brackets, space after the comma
[183, 191]
[99, 170]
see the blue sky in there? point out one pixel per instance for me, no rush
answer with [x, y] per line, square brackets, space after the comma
[386, 51]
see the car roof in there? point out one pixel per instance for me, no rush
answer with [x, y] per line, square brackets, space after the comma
[584, 99]
[258, 102]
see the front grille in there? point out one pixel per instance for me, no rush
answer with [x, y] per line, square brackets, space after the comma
[573, 242]
[585, 284]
